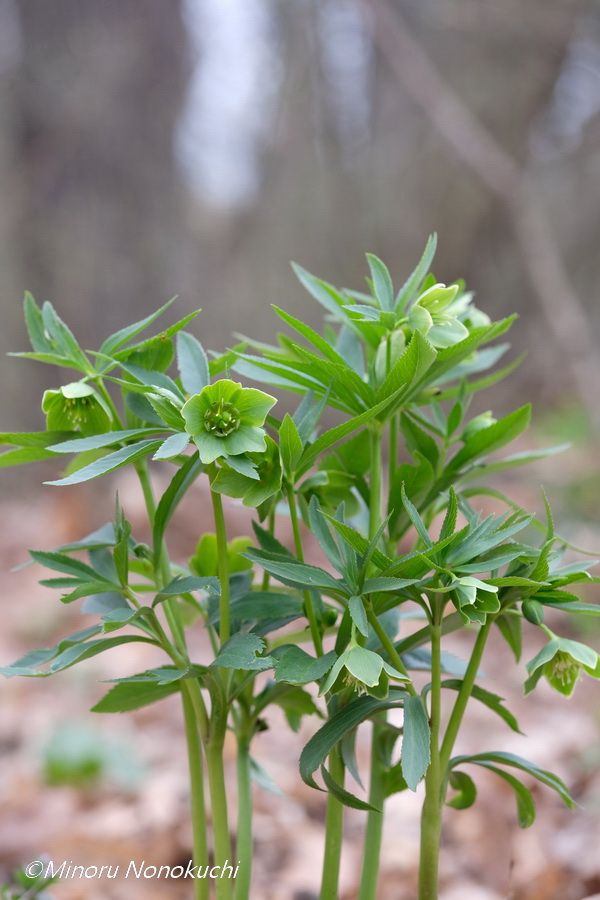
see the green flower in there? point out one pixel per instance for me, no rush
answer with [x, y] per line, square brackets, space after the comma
[259, 483]
[363, 670]
[76, 407]
[561, 662]
[225, 419]
[474, 598]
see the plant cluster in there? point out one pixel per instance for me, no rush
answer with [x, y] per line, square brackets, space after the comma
[391, 494]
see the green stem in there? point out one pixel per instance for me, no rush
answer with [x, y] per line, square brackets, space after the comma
[334, 833]
[388, 646]
[218, 803]
[374, 831]
[431, 815]
[375, 483]
[308, 603]
[372, 846]
[223, 567]
[266, 579]
[464, 694]
[200, 845]
[244, 820]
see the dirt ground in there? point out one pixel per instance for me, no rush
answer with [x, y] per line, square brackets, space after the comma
[139, 808]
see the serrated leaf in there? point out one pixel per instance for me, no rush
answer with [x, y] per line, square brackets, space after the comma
[241, 652]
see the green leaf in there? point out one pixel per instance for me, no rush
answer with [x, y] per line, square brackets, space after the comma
[20, 456]
[295, 704]
[415, 743]
[407, 374]
[96, 441]
[63, 339]
[60, 562]
[525, 803]
[488, 439]
[241, 652]
[192, 363]
[290, 446]
[383, 289]
[129, 696]
[416, 519]
[171, 498]
[413, 282]
[358, 615]
[518, 762]
[464, 785]
[129, 454]
[295, 573]
[35, 325]
[116, 340]
[510, 627]
[344, 796]
[294, 666]
[173, 446]
[345, 720]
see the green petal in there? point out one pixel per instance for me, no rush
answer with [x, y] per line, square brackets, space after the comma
[253, 406]
[224, 389]
[364, 665]
[193, 413]
[210, 447]
[245, 440]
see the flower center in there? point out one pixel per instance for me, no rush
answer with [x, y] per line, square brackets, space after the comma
[221, 419]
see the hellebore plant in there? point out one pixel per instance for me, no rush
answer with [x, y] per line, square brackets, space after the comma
[391, 495]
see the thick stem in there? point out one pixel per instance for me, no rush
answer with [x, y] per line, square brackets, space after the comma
[308, 603]
[374, 831]
[223, 568]
[218, 802]
[334, 833]
[431, 815]
[464, 694]
[244, 820]
[372, 845]
[200, 845]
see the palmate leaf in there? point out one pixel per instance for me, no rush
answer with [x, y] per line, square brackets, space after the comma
[70, 651]
[294, 666]
[315, 752]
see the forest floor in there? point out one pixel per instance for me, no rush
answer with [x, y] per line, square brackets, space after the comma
[138, 809]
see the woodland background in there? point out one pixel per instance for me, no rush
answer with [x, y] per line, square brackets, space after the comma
[195, 147]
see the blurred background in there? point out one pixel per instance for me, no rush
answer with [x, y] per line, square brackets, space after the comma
[195, 147]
